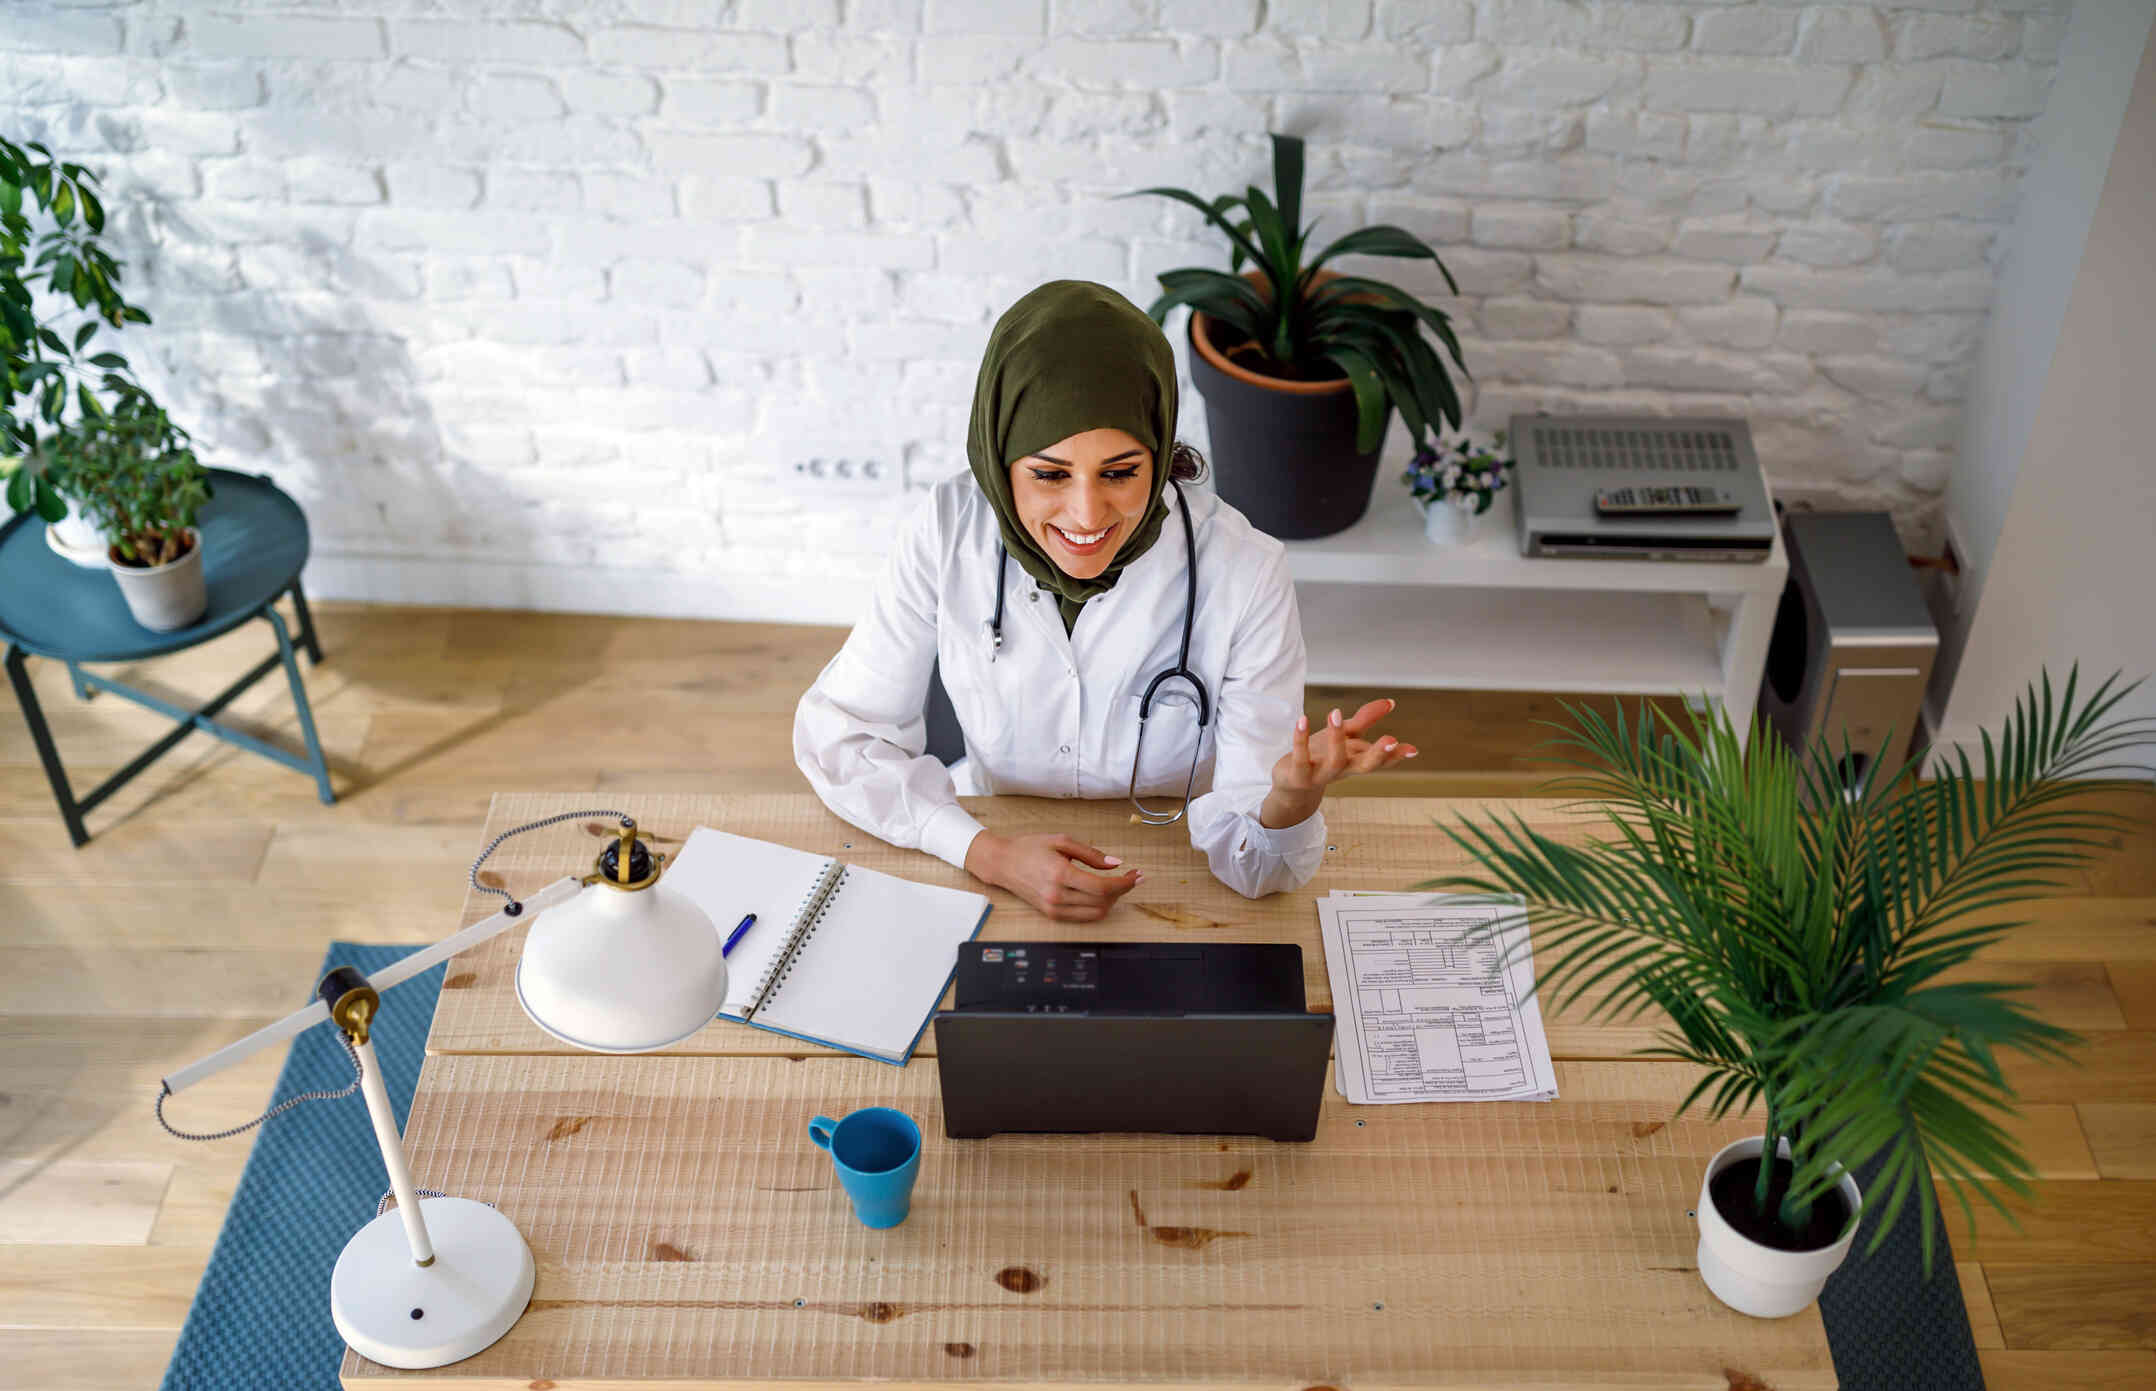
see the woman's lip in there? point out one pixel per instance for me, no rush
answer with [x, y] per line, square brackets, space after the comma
[1074, 548]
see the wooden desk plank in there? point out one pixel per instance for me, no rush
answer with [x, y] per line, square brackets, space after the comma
[2073, 928]
[1976, 1299]
[2117, 1065]
[685, 1229]
[2134, 985]
[2109, 1222]
[2011, 1370]
[2122, 1137]
[1376, 843]
[1388, 843]
[2078, 1307]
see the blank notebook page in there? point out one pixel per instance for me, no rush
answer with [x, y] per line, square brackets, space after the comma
[728, 876]
[876, 965]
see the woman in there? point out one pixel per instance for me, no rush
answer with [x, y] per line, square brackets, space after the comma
[1072, 447]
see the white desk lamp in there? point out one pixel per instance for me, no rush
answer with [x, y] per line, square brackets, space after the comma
[616, 963]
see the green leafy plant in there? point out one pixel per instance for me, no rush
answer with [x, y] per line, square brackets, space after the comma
[77, 421]
[1301, 328]
[1797, 930]
[134, 474]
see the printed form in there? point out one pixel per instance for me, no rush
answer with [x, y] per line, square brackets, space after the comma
[1429, 1003]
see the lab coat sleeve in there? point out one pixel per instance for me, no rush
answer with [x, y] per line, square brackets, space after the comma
[859, 731]
[1260, 697]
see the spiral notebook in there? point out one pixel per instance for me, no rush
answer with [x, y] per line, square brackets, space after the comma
[841, 956]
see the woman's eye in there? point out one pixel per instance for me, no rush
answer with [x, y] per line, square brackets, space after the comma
[1049, 475]
[1121, 475]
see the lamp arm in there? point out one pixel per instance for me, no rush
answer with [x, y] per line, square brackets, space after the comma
[395, 973]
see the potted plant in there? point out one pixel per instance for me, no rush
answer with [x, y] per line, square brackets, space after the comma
[136, 477]
[59, 289]
[1798, 932]
[1301, 367]
[1455, 485]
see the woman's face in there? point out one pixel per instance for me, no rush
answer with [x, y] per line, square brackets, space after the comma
[1083, 497]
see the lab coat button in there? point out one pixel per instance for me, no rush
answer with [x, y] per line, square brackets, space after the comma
[1065, 749]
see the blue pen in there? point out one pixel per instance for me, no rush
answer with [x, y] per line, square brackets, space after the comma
[736, 935]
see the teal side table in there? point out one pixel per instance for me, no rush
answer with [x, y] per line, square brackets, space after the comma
[254, 542]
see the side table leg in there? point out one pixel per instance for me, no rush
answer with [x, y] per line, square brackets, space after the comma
[34, 715]
[307, 636]
[1744, 658]
[299, 703]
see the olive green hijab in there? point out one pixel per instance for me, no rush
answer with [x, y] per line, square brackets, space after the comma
[1070, 356]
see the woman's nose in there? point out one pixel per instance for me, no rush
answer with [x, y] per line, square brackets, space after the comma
[1089, 506]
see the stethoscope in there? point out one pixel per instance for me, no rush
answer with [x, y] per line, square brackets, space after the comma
[1179, 672]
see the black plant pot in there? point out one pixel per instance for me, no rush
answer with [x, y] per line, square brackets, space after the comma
[1285, 459]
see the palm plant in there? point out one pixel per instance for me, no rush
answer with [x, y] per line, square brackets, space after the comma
[1798, 932]
[1364, 329]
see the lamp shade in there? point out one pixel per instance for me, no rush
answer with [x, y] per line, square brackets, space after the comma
[620, 971]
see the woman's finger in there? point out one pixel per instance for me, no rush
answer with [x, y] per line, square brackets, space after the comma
[1070, 896]
[1113, 889]
[1336, 749]
[1383, 754]
[1103, 886]
[1369, 715]
[1302, 743]
[1085, 854]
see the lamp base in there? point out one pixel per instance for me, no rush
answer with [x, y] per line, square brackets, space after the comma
[401, 1314]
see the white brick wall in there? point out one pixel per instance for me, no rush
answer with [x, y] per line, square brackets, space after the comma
[496, 287]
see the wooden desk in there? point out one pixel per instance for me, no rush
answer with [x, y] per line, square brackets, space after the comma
[687, 1232]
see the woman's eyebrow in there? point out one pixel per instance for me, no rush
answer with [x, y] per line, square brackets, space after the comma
[1116, 459]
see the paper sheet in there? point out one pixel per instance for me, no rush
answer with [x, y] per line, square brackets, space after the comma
[1427, 1005]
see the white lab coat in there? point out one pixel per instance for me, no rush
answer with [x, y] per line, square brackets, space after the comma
[1057, 716]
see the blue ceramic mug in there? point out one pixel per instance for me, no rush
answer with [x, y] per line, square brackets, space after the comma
[878, 1152]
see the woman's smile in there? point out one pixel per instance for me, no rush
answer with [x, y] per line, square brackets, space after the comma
[1081, 497]
[1081, 542]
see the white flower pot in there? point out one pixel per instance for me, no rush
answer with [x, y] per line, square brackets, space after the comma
[1447, 525]
[1755, 1279]
[168, 596]
[76, 538]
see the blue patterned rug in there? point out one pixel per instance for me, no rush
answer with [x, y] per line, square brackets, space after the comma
[1890, 1328]
[261, 1314]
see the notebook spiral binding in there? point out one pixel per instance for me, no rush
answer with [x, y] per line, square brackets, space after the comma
[806, 920]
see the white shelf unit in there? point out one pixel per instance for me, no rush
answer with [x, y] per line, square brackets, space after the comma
[1382, 606]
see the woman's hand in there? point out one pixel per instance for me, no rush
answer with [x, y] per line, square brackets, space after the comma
[1048, 872]
[1343, 748]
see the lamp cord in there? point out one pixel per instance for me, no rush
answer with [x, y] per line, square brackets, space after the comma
[389, 1195]
[287, 1104]
[515, 907]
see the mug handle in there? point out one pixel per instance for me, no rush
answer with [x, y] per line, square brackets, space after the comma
[820, 1131]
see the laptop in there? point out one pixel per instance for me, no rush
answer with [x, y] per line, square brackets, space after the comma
[1163, 1038]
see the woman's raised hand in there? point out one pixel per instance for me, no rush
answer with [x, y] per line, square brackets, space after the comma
[1050, 872]
[1343, 747]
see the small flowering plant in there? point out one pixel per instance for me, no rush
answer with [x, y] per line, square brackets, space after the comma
[1465, 473]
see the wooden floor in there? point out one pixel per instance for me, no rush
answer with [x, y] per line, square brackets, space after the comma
[204, 903]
